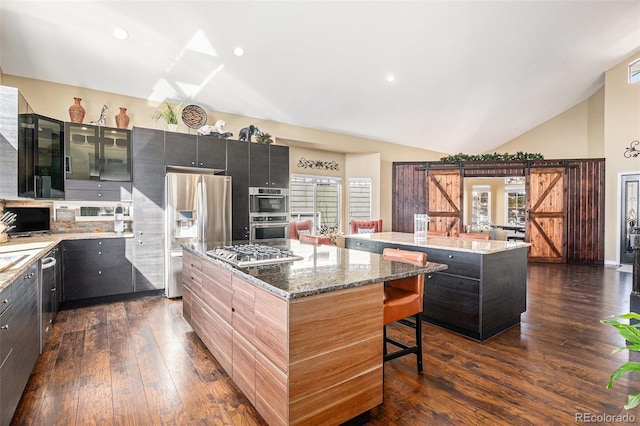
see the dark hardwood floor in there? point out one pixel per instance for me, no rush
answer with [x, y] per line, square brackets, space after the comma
[138, 362]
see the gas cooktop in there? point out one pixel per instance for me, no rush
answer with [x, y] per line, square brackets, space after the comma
[252, 255]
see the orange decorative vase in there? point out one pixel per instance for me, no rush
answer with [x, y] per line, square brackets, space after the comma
[122, 119]
[76, 111]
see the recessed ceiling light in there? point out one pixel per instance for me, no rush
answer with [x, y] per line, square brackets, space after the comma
[390, 78]
[120, 34]
[238, 51]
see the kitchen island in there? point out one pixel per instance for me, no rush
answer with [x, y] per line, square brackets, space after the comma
[302, 340]
[482, 293]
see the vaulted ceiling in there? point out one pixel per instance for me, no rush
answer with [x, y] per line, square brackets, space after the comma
[468, 76]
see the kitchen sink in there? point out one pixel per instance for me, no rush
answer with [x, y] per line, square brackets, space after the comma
[15, 255]
[11, 248]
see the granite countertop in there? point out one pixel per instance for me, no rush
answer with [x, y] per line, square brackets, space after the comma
[36, 247]
[443, 243]
[323, 268]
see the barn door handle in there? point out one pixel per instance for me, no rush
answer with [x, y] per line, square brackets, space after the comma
[526, 215]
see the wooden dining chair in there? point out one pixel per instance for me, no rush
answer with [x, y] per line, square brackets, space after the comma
[472, 236]
[403, 299]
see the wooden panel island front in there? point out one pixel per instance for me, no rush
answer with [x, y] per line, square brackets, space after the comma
[302, 340]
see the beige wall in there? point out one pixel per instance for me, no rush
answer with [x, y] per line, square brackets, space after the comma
[53, 100]
[600, 127]
[621, 127]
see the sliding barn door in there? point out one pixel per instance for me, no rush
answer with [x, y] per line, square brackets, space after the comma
[444, 200]
[546, 212]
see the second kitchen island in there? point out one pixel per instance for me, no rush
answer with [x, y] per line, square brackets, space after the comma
[302, 340]
[482, 293]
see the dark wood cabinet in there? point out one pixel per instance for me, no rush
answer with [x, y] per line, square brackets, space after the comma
[97, 153]
[268, 165]
[97, 190]
[184, 150]
[212, 152]
[40, 157]
[147, 245]
[181, 149]
[95, 268]
[238, 169]
[19, 339]
[259, 165]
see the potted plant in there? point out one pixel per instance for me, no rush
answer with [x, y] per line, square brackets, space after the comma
[631, 333]
[264, 138]
[169, 112]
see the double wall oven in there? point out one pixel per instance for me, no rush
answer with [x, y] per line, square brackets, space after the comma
[268, 213]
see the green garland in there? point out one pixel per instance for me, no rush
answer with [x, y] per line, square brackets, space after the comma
[492, 157]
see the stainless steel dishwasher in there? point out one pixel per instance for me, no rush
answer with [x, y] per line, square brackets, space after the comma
[49, 294]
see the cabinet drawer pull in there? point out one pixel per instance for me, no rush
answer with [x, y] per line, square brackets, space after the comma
[99, 243]
[99, 272]
[450, 256]
[5, 327]
[193, 163]
[5, 301]
[99, 194]
[429, 277]
[99, 252]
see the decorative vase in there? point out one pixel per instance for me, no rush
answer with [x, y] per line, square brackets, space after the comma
[76, 111]
[172, 127]
[122, 119]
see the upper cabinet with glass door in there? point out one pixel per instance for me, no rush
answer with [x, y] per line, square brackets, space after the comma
[40, 157]
[97, 153]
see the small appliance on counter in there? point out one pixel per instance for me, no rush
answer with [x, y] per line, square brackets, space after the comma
[118, 219]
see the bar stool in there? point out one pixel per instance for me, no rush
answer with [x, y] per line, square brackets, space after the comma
[309, 239]
[403, 299]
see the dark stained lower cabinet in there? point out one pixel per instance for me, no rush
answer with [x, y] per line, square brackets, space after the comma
[19, 339]
[95, 268]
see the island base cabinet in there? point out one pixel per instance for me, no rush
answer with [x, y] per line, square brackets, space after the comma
[244, 367]
[453, 301]
[302, 361]
[215, 333]
[271, 392]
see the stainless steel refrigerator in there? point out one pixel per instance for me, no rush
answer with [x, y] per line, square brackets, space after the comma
[198, 209]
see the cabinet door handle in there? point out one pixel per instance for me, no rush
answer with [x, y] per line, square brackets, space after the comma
[99, 253]
[99, 243]
[429, 277]
[193, 163]
[5, 301]
[201, 164]
[450, 256]
[5, 327]
[99, 272]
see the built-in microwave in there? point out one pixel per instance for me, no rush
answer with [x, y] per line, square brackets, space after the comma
[268, 201]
